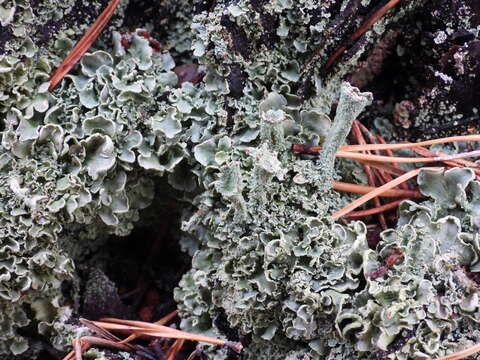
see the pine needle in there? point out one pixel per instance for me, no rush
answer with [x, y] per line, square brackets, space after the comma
[362, 189]
[362, 30]
[461, 354]
[375, 210]
[144, 328]
[83, 45]
[377, 192]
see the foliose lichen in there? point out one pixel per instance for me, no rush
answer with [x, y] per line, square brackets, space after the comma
[269, 264]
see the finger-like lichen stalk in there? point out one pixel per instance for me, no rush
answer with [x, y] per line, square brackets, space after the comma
[351, 104]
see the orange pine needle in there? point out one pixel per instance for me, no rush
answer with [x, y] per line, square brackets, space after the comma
[77, 347]
[162, 321]
[83, 45]
[177, 345]
[375, 210]
[378, 191]
[299, 149]
[368, 171]
[362, 189]
[461, 354]
[73, 354]
[144, 328]
[405, 160]
[386, 169]
[460, 138]
[390, 153]
[382, 176]
[454, 163]
[362, 30]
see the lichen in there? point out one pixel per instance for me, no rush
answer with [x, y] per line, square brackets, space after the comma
[268, 263]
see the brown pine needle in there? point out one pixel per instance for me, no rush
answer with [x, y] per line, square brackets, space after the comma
[98, 330]
[83, 45]
[381, 175]
[386, 169]
[174, 349]
[162, 321]
[77, 348]
[362, 30]
[390, 153]
[144, 328]
[314, 150]
[381, 158]
[93, 340]
[454, 163]
[182, 335]
[362, 189]
[73, 354]
[368, 171]
[461, 354]
[377, 192]
[460, 138]
[457, 162]
[375, 210]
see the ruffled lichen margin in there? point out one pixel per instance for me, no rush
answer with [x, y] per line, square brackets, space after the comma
[80, 163]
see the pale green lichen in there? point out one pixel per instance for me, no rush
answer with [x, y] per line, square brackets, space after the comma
[81, 162]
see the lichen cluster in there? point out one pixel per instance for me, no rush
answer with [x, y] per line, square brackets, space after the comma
[269, 264]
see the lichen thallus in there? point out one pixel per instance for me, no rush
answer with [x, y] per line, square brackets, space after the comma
[377, 168]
